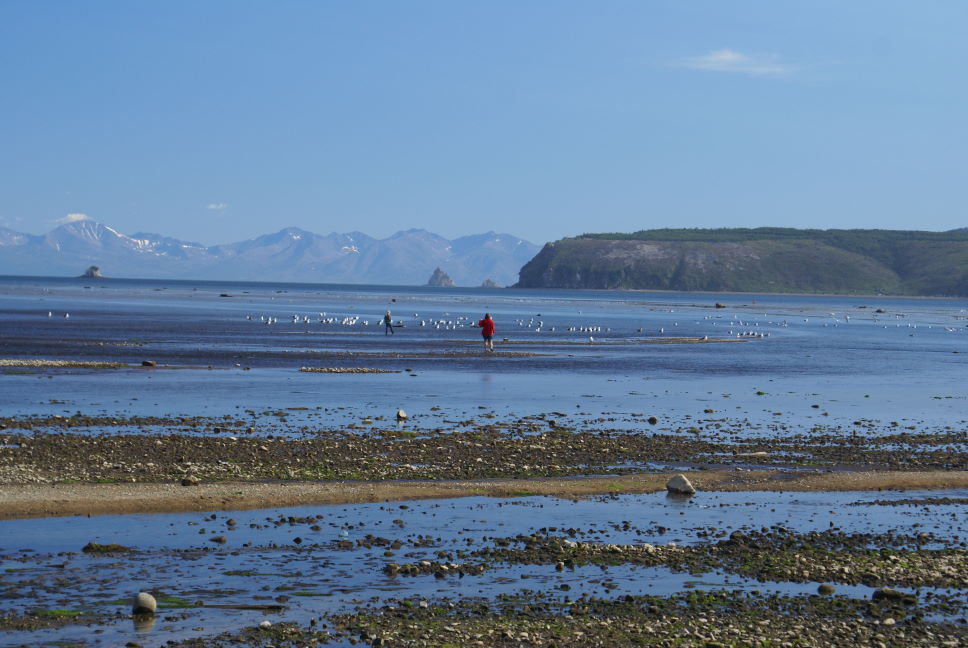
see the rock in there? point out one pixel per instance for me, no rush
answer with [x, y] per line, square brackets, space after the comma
[220, 539]
[94, 547]
[440, 279]
[738, 537]
[189, 480]
[401, 415]
[826, 588]
[652, 420]
[680, 485]
[888, 621]
[719, 305]
[93, 272]
[144, 603]
[489, 283]
[889, 594]
[265, 625]
[149, 363]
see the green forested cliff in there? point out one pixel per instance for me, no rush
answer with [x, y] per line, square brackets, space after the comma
[758, 260]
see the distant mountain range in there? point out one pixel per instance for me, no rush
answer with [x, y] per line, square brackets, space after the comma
[768, 259]
[291, 254]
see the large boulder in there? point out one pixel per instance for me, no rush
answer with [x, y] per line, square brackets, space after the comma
[894, 596]
[144, 603]
[680, 485]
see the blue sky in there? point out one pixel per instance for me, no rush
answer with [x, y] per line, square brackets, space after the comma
[218, 121]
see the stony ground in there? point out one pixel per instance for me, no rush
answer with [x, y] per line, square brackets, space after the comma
[774, 554]
[159, 449]
[236, 462]
[702, 619]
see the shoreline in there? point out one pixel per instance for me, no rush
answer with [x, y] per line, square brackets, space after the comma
[512, 288]
[20, 501]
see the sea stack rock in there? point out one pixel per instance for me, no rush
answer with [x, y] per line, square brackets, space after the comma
[144, 603]
[92, 272]
[489, 283]
[679, 485]
[440, 279]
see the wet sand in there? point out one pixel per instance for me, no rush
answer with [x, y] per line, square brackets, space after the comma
[52, 500]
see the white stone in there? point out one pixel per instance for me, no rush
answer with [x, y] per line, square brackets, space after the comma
[265, 625]
[680, 485]
[144, 603]
[401, 415]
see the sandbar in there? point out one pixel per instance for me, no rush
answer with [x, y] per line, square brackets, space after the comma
[64, 499]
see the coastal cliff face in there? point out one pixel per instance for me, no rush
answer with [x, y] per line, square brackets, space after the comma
[766, 260]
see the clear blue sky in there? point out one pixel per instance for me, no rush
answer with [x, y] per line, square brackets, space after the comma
[218, 121]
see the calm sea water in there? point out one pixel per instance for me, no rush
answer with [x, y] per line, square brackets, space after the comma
[595, 351]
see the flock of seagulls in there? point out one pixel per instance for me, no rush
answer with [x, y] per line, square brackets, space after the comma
[449, 322]
[736, 326]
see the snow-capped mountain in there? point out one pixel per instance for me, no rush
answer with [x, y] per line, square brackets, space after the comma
[291, 254]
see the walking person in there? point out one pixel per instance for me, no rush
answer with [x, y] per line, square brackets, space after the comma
[388, 324]
[487, 332]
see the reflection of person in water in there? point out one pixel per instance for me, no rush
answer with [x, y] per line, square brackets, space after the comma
[487, 332]
[388, 324]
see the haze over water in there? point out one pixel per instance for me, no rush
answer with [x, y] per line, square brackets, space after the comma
[593, 351]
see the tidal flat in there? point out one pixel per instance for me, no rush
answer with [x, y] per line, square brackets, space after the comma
[165, 439]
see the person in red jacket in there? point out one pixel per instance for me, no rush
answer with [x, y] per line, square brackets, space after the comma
[487, 331]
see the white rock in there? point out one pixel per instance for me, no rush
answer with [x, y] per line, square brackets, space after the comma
[144, 603]
[401, 415]
[265, 625]
[680, 485]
